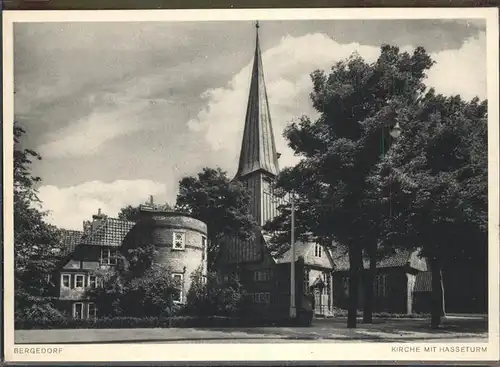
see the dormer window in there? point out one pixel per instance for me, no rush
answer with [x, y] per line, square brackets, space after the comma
[318, 250]
[179, 241]
[108, 256]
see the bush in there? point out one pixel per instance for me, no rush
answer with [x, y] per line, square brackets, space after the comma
[214, 298]
[149, 322]
[126, 294]
[338, 312]
[126, 323]
[40, 309]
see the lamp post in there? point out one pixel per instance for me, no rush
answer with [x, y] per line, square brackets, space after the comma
[395, 133]
[293, 309]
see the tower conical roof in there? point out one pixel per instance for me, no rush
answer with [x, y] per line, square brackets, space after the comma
[258, 149]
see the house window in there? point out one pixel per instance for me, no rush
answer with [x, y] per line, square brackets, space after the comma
[92, 281]
[261, 275]
[78, 310]
[92, 311]
[264, 297]
[381, 282]
[328, 284]
[108, 256]
[345, 284]
[178, 278]
[79, 281]
[66, 280]
[318, 250]
[203, 279]
[204, 247]
[179, 241]
[306, 281]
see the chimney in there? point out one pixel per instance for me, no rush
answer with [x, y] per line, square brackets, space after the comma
[97, 219]
[87, 225]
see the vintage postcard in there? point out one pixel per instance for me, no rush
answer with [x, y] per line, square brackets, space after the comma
[251, 185]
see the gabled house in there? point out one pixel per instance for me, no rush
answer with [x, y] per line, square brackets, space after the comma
[394, 285]
[318, 274]
[97, 247]
[180, 241]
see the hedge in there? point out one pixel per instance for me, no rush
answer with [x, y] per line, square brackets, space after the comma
[147, 322]
[383, 315]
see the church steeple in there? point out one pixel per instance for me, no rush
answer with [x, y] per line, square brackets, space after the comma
[258, 165]
[258, 149]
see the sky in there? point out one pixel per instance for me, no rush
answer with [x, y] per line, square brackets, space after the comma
[121, 111]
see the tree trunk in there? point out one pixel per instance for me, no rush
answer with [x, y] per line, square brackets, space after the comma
[437, 298]
[443, 305]
[355, 266]
[369, 280]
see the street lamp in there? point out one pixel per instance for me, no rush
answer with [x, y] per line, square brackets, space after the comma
[395, 131]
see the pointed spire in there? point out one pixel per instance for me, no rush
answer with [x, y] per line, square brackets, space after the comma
[258, 149]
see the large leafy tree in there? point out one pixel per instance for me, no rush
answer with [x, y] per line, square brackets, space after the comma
[436, 180]
[223, 204]
[358, 104]
[37, 245]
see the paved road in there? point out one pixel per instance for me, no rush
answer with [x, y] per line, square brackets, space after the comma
[456, 329]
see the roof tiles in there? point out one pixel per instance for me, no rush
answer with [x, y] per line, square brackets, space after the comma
[110, 232]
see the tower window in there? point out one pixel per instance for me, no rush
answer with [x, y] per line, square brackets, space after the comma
[204, 247]
[178, 280]
[179, 241]
[267, 186]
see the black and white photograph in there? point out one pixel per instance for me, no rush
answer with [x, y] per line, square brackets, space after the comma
[190, 182]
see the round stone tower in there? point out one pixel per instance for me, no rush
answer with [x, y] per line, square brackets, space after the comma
[180, 241]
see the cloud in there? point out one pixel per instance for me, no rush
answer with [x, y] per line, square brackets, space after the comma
[461, 71]
[287, 67]
[90, 133]
[69, 206]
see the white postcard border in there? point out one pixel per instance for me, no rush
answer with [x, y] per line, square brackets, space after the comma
[359, 351]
